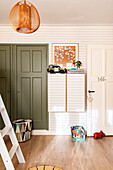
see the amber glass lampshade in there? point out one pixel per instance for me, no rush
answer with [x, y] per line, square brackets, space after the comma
[24, 17]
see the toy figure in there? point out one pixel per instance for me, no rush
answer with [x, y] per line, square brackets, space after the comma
[78, 64]
[98, 135]
[52, 68]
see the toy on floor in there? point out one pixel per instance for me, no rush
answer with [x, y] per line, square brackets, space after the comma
[98, 134]
[77, 134]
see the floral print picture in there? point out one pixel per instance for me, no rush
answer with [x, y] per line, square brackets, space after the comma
[65, 54]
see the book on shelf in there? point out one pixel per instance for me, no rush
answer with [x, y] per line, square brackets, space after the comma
[76, 70]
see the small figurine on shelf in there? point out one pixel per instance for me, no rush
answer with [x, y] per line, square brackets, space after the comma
[78, 64]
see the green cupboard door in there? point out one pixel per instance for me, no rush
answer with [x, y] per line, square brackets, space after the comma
[32, 85]
[5, 78]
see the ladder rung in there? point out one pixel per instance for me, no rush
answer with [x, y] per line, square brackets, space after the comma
[6, 130]
[1, 109]
[13, 150]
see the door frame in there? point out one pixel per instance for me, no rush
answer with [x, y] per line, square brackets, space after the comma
[88, 105]
[13, 74]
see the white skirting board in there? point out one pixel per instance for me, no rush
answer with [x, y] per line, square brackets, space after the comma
[47, 132]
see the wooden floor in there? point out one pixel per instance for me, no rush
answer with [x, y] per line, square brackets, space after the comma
[61, 152]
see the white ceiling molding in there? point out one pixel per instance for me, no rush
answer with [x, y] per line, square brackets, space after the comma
[67, 25]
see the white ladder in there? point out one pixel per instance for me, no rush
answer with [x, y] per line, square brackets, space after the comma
[8, 130]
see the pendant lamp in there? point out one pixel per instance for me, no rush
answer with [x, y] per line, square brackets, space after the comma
[24, 17]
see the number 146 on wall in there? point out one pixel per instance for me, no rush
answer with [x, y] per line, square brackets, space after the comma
[101, 78]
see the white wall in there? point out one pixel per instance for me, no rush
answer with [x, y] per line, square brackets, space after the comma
[60, 122]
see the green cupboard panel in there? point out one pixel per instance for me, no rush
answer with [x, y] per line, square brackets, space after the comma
[32, 84]
[37, 61]
[5, 78]
[3, 87]
[25, 95]
[37, 99]
[25, 61]
[2, 61]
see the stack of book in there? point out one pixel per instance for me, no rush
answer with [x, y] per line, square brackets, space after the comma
[76, 70]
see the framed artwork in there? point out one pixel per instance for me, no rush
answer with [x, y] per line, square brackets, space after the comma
[65, 54]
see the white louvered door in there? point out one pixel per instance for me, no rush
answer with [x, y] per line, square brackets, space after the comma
[75, 92]
[56, 92]
[66, 95]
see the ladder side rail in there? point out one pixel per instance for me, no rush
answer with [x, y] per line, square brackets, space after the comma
[5, 130]
[18, 151]
[5, 118]
[4, 113]
[5, 155]
[11, 132]
[13, 137]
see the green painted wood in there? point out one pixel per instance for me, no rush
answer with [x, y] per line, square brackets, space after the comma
[32, 84]
[5, 77]
[13, 83]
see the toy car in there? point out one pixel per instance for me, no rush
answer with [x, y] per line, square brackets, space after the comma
[56, 69]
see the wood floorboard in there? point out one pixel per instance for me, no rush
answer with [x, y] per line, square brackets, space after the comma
[59, 151]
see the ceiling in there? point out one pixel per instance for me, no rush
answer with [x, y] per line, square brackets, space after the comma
[67, 12]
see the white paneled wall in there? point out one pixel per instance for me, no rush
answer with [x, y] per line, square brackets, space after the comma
[60, 122]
